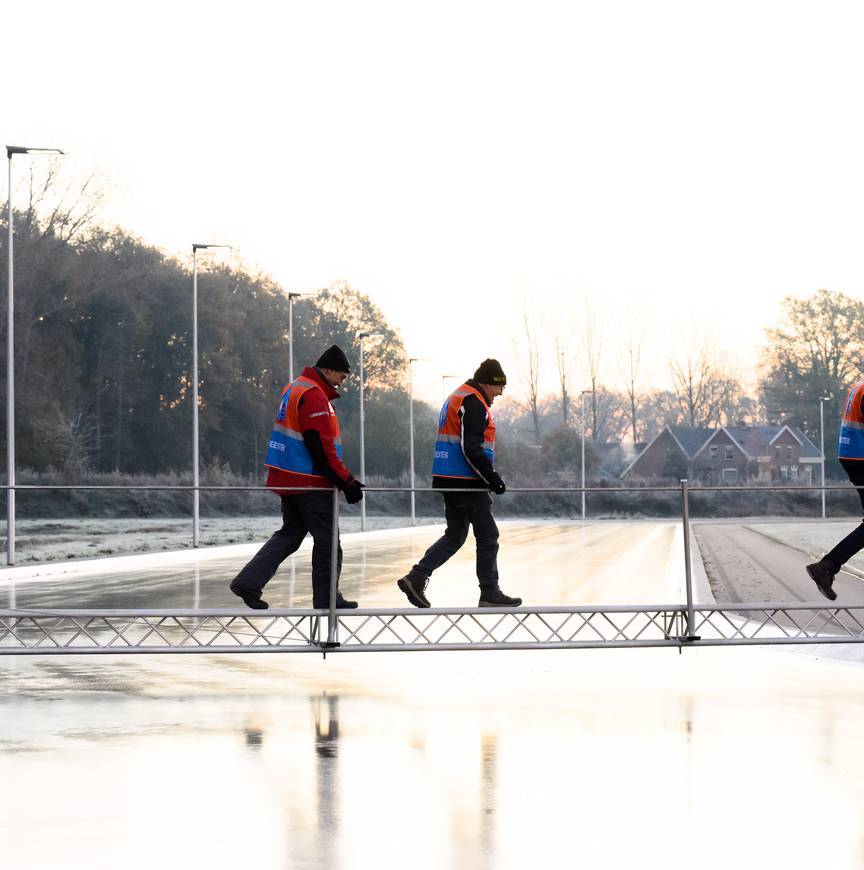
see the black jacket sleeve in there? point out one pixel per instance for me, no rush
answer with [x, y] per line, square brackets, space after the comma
[473, 427]
[312, 440]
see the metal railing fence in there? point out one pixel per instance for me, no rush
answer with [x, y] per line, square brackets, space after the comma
[65, 631]
[681, 622]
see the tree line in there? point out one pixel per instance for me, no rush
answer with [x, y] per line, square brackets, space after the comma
[103, 357]
[103, 364]
[813, 356]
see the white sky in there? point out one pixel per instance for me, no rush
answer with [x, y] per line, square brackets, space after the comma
[691, 161]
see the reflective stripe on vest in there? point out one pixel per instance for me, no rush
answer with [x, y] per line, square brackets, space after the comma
[449, 459]
[851, 445]
[287, 450]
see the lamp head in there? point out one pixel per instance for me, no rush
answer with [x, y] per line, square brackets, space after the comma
[198, 246]
[11, 150]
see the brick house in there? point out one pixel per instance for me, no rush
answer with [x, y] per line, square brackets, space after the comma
[730, 454]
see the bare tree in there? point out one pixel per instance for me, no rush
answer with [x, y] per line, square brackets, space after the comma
[692, 371]
[564, 363]
[658, 408]
[562, 379]
[593, 347]
[528, 359]
[631, 362]
[707, 393]
[728, 406]
[62, 201]
[612, 416]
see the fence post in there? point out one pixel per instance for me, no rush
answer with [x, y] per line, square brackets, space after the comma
[688, 572]
[332, 627]
[195, 516]
[10, 524]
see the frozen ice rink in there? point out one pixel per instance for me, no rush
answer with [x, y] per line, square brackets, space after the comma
[608, 758]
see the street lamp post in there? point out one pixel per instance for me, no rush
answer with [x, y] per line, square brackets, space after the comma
[290, 338]
[444, 385]
[291, 298]
[196, 246]
[822, 400]
[582, 399]
[11, 151]
[361, 336]
[411, 362]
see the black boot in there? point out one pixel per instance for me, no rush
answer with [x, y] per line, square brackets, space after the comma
[250, 598]
[341, 603]
[822, 573]
[492, 596]
[414, 584]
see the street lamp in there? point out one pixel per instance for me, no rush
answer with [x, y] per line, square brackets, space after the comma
[411, 361]
[11, 151]
[444, 385]
[361, 336]
[196, 246]
[582, 399]
[291, 298]
[822, 399]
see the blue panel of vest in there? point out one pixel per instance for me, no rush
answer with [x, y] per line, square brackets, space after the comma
[851, 444]
[450, 461]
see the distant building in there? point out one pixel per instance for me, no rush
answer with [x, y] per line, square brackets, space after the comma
[730, 454]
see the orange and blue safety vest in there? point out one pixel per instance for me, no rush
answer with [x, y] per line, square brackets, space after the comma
[287, 449]
[450, 459]
[851, 444]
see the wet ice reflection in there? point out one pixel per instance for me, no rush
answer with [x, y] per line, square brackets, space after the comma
[732, 757]
[601, 758]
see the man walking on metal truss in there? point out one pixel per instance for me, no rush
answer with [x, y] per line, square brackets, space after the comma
[465, 459]
[850, 452]
[305, 450]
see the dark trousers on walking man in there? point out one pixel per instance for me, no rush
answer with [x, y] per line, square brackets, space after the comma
[824, 571]
[461, 511]
[302, 513]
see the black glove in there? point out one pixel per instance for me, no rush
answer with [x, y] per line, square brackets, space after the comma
[353, 491]
[497, 485]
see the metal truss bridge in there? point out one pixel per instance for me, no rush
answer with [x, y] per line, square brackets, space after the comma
[46, 632]
[54, 631]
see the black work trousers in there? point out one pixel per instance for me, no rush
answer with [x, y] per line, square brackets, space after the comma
[854, 541]
[461, 510]
[310, 512]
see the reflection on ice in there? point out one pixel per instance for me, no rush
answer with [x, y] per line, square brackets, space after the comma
[501, 759]
[254, 738]
[609, 758]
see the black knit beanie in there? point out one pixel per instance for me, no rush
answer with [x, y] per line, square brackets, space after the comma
[333, 358]
[490, 372]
